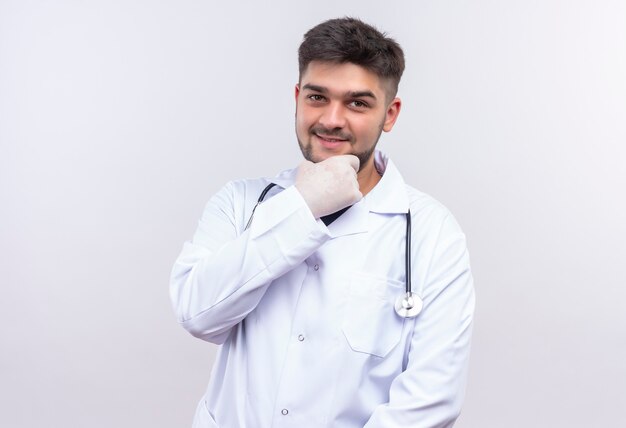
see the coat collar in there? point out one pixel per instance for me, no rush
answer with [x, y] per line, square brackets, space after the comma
[389, 196]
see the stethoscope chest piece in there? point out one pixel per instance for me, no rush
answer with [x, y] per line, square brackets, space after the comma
[408, 305]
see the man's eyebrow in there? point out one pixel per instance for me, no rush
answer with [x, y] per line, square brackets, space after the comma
[362, 94]
[352, 94]
[315, 88]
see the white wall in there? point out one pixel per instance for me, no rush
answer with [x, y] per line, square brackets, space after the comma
[118, 119]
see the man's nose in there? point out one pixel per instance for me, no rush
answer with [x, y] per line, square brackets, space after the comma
[333, 116]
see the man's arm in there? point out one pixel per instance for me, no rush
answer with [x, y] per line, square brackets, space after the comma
[429, 393]
[222, 274]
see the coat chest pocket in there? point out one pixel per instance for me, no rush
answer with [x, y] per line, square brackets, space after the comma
[370, 322]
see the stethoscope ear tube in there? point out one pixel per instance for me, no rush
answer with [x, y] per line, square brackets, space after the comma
[261, 197]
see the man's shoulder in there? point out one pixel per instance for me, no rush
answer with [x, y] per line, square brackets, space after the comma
[428, 215]
[246, 187]
[254, 186]
[423, 205]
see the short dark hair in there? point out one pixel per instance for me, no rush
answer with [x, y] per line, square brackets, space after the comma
[343, 40]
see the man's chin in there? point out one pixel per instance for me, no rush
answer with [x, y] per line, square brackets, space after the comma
[313, 156]
[316, 158]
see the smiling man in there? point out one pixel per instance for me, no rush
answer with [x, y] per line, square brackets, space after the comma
[342, 108]
[324, 315]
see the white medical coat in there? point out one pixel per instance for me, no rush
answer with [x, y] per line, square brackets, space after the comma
[304, 313]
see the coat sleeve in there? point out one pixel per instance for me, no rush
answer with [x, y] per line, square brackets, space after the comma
[222, 274]
[430, 391]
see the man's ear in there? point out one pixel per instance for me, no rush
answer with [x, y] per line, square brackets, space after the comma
[391, 115]
[297, 91]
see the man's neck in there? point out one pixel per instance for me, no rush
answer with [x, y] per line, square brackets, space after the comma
[368, 177]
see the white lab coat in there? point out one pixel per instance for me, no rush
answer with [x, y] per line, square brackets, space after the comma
[304, 313]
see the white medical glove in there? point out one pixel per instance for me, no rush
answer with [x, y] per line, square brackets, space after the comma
[329, 185]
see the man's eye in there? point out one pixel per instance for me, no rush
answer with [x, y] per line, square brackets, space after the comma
[316, 97]
[358, 104]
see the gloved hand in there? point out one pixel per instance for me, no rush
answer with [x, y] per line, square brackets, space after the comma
[329, 185]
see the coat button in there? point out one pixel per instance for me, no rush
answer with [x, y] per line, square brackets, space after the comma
[284, 411]
[301, 337]
[316, 267]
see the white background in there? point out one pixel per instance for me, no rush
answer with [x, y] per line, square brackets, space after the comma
[119, 119]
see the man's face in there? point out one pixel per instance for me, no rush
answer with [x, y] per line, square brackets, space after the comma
[342, 109]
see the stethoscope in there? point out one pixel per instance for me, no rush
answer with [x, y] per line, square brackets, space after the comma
[407, 305]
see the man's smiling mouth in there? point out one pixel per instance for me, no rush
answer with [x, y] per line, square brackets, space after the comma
[330, 139]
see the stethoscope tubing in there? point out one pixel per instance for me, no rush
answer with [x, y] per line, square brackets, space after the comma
[407, 254]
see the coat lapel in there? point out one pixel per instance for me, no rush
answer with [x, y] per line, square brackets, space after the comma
[353, 221]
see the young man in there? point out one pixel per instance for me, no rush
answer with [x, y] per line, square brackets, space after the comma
[301, 297]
